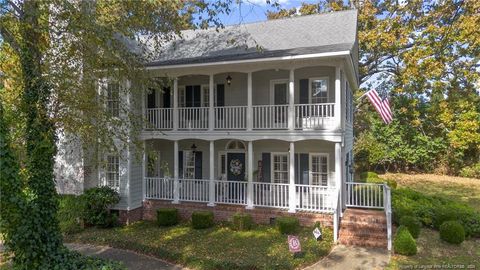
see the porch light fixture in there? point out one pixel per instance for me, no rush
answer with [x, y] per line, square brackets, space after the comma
[229, 79]
[193, 147]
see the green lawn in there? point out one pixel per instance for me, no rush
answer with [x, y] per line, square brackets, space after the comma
[431, 250]
[215, 248]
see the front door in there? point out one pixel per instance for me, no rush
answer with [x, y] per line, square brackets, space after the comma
[236, 172]
[280, 97]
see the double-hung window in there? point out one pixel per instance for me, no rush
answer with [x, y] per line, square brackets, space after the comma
[189, 164]
[113, 99]
[112, 172]
[319, 169]
[280, 168]
[318, 90]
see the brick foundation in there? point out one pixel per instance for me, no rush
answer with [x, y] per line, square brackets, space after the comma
[130, 216]
[224, 212]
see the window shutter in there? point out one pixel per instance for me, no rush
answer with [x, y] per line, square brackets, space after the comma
[297, 170]
[304, 167]
[304, 91]
[166, 97]
[220, 95]
[266, 167]
[180, 164]
[198, 165]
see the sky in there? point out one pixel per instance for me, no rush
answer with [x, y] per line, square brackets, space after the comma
[255, 10]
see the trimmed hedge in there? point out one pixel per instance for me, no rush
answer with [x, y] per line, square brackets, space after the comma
[202, 219]
[432, 211]
[413, 225]
[167, 216]
[288, 225]
[452, 232]
[404, 243]
[242, 222]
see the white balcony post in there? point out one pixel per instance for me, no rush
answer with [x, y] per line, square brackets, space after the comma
[249, 102]
[144, 110]
[175, 104]
[144, 170]
[176, 186]
[292, 200]
[250, 176]
[338, 168]
[338, 95]
[291, 100]
[211, 183]
[211, 102]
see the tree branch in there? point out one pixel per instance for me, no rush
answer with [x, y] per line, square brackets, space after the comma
[15, 7]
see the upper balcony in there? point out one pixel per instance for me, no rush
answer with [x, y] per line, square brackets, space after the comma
[308, 98]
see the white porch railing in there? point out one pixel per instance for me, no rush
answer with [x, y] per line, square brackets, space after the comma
[365, 195]
[314, 116]
[270, 195]
[159, 188]
[315, 198]
[231, 117]
[159, 118]
[231, 192]
[193, 190]
[388, 214]
[270, 116]
[193, 118]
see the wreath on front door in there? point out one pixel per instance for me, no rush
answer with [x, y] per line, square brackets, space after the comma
[236, 167]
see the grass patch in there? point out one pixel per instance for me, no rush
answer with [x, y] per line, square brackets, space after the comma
[433, 251]
[460, 189]
[218, 247]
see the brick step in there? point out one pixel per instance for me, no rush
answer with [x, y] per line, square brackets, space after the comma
[363, 236]
[355, 226]
[375, 220]
[364, 243]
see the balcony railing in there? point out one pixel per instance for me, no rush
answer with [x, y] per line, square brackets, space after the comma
[264, 117]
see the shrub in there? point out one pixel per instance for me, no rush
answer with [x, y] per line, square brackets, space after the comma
[452, 232]
[471, 171]
[288, 225]
[167, 216]
[242, 222]
[202, 219]
[372, 177]
[70, 214]
[413, 225]
[404, 243]
[96, 206]
[365, 176]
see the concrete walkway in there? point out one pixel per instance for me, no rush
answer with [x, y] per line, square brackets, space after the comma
[356, 258]
[131, 260]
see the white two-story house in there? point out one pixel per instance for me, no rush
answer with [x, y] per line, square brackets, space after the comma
[257, 118]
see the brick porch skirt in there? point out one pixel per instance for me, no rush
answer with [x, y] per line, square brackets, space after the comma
[222, 212]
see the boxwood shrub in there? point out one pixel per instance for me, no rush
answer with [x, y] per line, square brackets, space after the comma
[413, 225]
[242, 222]
[96, 206]
[167, 216]
[202, 219]
[404, 243]
[288, 225]
[452, 232]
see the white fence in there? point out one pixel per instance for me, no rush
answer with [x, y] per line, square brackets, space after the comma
[193, 118]
[231, 192]
[270, 195]
[231, 117]
[314, 116]
[315, 198]
[193, 190]
[159, 118]
[270, 116]
[365, 195]
[159, 188]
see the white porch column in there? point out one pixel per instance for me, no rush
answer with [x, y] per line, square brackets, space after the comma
[176, 193]
[291, 100]
[144, 171]
[250, 176]
[292, 200]
[249, 102]
[211, 183]
[338, 169]
[338, 96]
[175, 106]
[211, 102]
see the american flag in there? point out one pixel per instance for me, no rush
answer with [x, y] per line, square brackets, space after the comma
[382, 105]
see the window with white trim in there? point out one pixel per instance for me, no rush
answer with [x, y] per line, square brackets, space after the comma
[318, 90]
[113, 99]
[280, 168]
[319, 169]
[112, 171]
[188, 164]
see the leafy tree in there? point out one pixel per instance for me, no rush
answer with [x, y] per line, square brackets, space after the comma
[52, 55]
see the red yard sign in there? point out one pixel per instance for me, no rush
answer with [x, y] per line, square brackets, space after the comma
[294, 244]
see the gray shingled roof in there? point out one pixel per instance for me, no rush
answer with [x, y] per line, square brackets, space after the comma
[336, 31]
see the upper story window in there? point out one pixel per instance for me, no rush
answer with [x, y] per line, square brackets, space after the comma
[112, 172]
[318, 90]
[113, 99]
